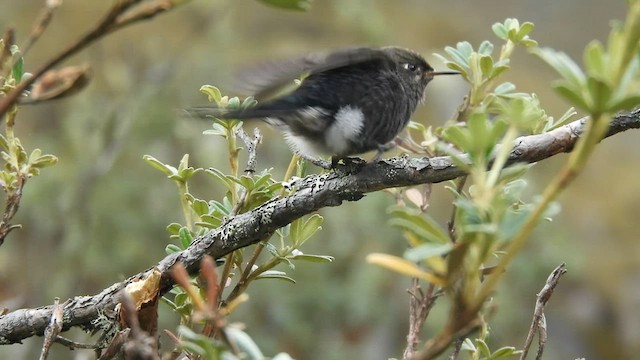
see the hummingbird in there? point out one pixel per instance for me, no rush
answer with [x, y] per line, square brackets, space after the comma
[349, 101]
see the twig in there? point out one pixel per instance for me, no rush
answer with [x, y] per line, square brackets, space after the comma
[54, 328]
[74, 345]
[12, 204]
[46, 14]
[123, 13]
[116, 345]
[8, 39]
[420, 304]
[538, 325]
[461, 181]
[313, 192]
[251, 144]
[456, 349]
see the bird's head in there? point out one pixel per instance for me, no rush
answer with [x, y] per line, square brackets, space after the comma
[413, 68]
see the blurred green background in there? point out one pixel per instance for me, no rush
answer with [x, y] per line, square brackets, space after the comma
[99, 215]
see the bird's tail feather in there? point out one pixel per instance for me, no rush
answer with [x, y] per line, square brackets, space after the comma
[203, 112]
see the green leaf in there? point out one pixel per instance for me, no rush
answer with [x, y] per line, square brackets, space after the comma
[563, 64]
[234, 103]
[40, 161]
[247, 182]
[422, 226]
[504, 352]
[500, 30]
[486, 65]
[200, 207]
[220, 176]
[301, 230]
[173, 228]
[600, 94]
[594, 59]
[217, 130]
[167, 169]
[458, 136]
[18, 69]
[248, 102]
[505, 88]
[525, 29]
[626, 103]
[427, 250]
[300, 5]
[245, 343]
[172, 248]
[313, 258]
[185, 237]
[572, 94]
[482, 346]
[465, 49]
[212, 92]
[275, 274]
[485, 48]
[467, 344]
[457, 57]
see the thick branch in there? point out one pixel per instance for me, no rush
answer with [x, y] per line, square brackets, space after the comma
[314, 192]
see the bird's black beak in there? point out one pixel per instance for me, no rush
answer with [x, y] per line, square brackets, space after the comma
[434, 73]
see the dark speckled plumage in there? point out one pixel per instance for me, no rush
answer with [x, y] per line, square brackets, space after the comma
[352, 101]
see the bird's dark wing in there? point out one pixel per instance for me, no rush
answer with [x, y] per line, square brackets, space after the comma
[268, 79]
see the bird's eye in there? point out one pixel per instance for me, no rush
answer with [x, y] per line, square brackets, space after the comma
[411, 67]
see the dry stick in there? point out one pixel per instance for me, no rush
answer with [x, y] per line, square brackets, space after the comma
[75, 345]
[54, 328]
[11, 207]
[118, 17]
[451, 225]
[313, 193]
[7, 39]
[420, 304]
[252, 145]
[46, 14]
[456, 349]
[538, 325]
[116, 344]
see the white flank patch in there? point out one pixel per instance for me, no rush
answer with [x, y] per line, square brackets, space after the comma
[301, 145]
[347, 126]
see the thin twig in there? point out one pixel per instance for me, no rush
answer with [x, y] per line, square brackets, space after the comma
[7, 39]
[116, 345]
[456, 349]
[12, 204]
[252, 145]
[41, 23]
[538, 325]
[420, 304]
[114, 20]
[73, 344]
[54, 328]
[451, 224]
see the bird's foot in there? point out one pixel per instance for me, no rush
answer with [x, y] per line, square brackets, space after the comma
[382, 148]
[349, 165]
[346, 164]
